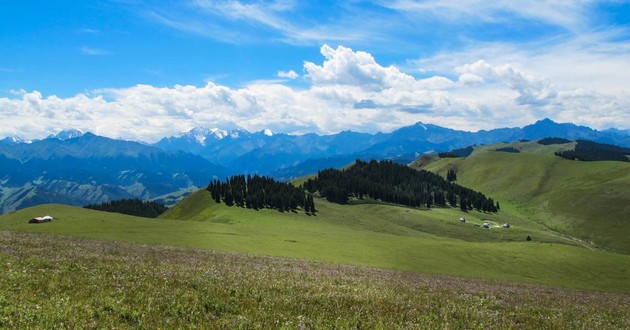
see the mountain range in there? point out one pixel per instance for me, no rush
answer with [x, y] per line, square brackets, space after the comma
[284, 156]
[81, 168]
[78, 168]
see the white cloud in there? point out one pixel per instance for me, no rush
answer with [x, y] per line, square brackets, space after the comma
[288, 74]
[241, 22]
[348, 90]
[343, 66]
[570, 15]
[532, 90]
[470, 79]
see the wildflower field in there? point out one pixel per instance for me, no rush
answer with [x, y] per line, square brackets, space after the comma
[50, 281]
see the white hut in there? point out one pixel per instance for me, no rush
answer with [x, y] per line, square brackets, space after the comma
[462, 219]
[43, 219]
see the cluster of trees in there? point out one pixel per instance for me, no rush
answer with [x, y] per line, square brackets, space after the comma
[553, 140]
[461, 152]
[134, 206]
[508, 149]
[260, 192]
[394, 183]
[592, 151]
[451, 175]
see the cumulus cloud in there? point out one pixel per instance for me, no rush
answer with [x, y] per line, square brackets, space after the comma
[347, 90]
[288, 74]
[343, 66]
[470, 79]
[532, 90]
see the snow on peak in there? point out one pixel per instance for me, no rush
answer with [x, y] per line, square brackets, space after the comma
[268, 132]
[201, 134]
[14, 140]
[420, 124]
[236, 133]
[219, 134]
[67, 134]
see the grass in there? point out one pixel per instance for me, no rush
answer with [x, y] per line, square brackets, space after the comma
[51, 281]
[365, 265]
[370, 235]
[585, 200]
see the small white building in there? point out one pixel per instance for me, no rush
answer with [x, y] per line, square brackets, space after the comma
[43, 219]
[506, 225]
[462, 219]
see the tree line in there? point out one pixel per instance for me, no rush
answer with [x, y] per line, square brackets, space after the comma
[258, 192]
[394, 183]
[137, 207]
[592, 151]
[461, 152]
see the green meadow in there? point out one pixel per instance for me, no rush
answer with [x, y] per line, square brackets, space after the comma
[56, 282]
[369, 235]
[363, 265]
[589, 201]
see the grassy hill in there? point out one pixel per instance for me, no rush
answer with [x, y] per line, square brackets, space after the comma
[51, 282]
[371, 235]
[363, 265]
[587, 200]
[367, 264]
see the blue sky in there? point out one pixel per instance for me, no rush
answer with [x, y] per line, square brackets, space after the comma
[145, 69]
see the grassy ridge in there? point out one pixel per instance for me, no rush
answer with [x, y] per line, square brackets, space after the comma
[589, 200]
[59, 282]
[365, 235]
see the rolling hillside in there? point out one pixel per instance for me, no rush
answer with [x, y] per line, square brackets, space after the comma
[367, 235]
[588, 200]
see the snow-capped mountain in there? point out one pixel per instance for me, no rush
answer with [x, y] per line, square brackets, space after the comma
[66, 134]
[266, 153]
[199, 137]
[77, 167]
[14, 140]
[201, 134]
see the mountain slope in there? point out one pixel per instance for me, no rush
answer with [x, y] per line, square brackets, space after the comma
[77, 161]
[289, 156]
[589, 200]
[90, 169]
[368, 235]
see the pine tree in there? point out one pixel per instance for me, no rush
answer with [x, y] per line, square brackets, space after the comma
[312, 202]
[451, 175]
[463, 205]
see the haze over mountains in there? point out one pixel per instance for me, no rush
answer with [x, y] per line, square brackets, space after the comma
[77, 168]
[283, 156]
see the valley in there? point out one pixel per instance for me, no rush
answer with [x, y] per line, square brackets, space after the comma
[79, 168]
[228, 264]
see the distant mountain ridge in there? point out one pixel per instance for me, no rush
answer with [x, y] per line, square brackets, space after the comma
[78, 168]
[67, 134]
[278, 153]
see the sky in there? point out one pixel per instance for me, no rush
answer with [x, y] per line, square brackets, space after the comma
[145, 69]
